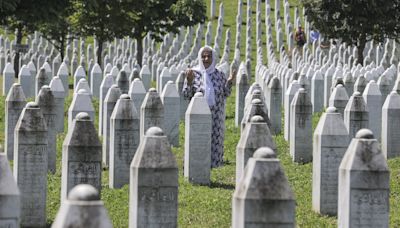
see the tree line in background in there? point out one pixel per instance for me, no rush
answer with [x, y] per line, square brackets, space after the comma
[60, 21]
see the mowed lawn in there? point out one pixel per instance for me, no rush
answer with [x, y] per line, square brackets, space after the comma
[210, 206]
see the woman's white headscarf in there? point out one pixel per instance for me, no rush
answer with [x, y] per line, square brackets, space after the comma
[206, 74]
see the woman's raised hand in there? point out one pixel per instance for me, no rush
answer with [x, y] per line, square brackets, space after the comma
[232, 77]
[189, 76]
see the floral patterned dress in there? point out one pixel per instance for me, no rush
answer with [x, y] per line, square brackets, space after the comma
[222, 90]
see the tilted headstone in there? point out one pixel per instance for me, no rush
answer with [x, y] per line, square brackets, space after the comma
[255, 135]
[30, 165]
[57, 88]
[153, 190]
[263, 196]
[339, 99]
[10, 196]
[14, 104]
[81, 156]
[356, 114]
[63, 74]
[273, 100]
[171, 102]
[83, 208]
[106, 84]
[151, 112]
[242, 86]
[81, 102]
[124, 140]
[301, 127]
[47, 103]
[329, 146]
[373, 99]
[27, 81]
[8, 78]
[364, 184]
[289, 95]
[96, 77]
[198, 128]
[123, 82]
[108, 106]
[391, 125]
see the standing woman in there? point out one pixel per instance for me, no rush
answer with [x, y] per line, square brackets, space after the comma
[216, 88]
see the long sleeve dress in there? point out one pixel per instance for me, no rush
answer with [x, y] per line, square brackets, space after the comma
[222, 90]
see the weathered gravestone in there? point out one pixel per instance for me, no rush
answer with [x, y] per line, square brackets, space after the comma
[46, 101]
[124, 140]
[30, 165]
[106, 84]
[363, 184]
[108, 106]
[123, 82]
[8, 78]
[83, 208]
[81, 102]
[198, 128]
[153, 190]
[58, 91]
[151, 112]
[360, 84]
[9, 196]
[171, 102]
[256, 134]
[391, 126]
[329, 146]
[81, 156]
[14, 104]
[356, 114]
[263, 197]
[339, 99]
[301, 127]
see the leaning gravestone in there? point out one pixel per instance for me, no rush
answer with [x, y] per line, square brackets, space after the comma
[58, 91]
[8, 78]
[153, 189]
[364, 184]
[151, 112]
[263, 195]
[108, 106]
[329, 146]
[106, 84]
[46, 101]
[15, 102]
[256, 134]
[81, 102]
[301, 127]
[9, 196]
[124, 140]
[198, 128]
[30, 165]
[391, 126]
[171, 102]
[81, 156]
[83, 208]
[356, 114]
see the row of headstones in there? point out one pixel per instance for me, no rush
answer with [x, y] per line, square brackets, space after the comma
[330, 135]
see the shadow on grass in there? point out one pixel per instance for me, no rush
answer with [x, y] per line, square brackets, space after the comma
[222, 185]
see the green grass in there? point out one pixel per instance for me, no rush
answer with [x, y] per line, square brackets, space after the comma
[210, 206]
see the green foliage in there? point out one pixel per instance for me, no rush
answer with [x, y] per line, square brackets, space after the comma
[355, 22]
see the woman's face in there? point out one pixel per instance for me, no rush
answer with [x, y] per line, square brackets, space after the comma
[206, 57]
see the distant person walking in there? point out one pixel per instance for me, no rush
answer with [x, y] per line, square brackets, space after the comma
[300, 38]
[314, 35]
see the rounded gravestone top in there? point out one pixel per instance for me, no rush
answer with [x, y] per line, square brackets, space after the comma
[154, 131]
[302, 90]
[125, 96]
[256, 84]
[257, 119]
[82, 79]
[114, 86]
[136, 79]
[364, 134]
[82, 91]
[170, 82]
[32, 104]
[198, 94]
[152, 90]
[257, 91]
[393, 92]
[339, 86]
[331, 110]
[372, 81]
[84, 192]
[82, 116]
[357, 93]
[46, 87]
[56, 77]
[264, 152]
[256, 101]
